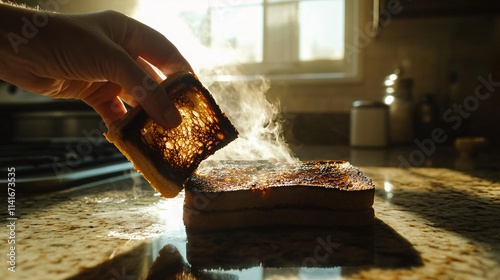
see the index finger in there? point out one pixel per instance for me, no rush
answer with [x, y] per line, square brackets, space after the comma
[142, 40]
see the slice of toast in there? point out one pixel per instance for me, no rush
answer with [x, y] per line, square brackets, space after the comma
[167, 157]
[241, 194]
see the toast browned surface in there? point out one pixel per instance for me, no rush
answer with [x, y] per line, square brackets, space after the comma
[167, 157]
[232, 194]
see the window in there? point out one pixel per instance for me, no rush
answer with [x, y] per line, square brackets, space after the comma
[282, 39]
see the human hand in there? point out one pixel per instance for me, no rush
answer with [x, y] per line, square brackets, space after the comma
[102, 58]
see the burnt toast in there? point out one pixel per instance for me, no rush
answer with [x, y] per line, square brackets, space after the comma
[167, 157]
[241, 194]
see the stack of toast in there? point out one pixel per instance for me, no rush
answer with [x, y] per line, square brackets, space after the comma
[235, 194]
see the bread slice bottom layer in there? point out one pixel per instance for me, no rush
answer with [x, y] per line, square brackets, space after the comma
[280, 196]
[251, 218]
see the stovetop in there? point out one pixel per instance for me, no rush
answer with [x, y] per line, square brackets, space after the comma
[48, 166]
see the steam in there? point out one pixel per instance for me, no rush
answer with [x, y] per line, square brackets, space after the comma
[257, 120]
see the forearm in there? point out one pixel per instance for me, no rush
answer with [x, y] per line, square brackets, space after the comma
[93, 57]
[11, 18]
[18, 25]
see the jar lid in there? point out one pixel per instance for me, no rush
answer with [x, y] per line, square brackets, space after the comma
[368, 103]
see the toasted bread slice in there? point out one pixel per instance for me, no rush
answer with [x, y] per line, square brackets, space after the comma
[167, 157]
[235, 194]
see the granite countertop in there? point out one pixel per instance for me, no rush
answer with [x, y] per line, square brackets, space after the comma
[431, 222]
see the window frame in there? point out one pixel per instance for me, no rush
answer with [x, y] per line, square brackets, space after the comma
[346, 70]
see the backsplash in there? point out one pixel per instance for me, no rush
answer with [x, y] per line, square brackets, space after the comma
[456, 59]
[317, 128]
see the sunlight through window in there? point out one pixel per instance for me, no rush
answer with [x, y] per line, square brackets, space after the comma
[262, 36]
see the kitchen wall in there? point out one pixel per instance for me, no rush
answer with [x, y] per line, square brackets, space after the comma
[430, 49]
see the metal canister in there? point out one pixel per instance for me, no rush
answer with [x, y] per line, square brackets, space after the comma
[369, 124]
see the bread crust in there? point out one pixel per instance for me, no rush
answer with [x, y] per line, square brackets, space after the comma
[276, 217]
[168, 187]
[280, 196]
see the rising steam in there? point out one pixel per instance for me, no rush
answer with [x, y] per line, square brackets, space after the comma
[257, 120]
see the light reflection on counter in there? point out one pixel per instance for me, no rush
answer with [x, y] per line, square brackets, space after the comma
[388, 188]
[243, 254]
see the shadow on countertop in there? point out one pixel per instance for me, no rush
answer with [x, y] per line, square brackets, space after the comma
[474, 217]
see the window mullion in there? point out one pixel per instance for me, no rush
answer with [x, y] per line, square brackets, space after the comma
[281, 45]
[294, 40]
[265, 33]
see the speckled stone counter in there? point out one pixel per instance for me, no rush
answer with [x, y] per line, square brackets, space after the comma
[431, 223]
